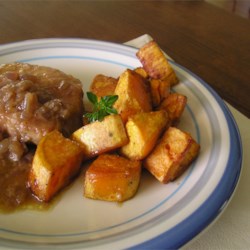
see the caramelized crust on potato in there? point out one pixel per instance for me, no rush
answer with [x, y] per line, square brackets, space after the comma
[174, 104]
[172, 155]
[103, 85]
[141, 71]
[143, 130]
[155, 63]
[134, 95]
[56, 161]
[160, 89]
[112, 178]
[101, 136]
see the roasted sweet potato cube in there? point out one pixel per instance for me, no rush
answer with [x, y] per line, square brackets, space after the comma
[103, 85]
[174, 104]
[143, 130]
[172, 78]
[155, 93]
[141, 71]
[112, 178]
[172, 156]
[155, 63]
[101, 136]
[160, 89]
[56, 161]
[134, 95]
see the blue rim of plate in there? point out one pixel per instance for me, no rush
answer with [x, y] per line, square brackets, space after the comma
[215, 204]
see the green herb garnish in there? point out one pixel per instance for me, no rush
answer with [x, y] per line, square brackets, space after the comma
[101, 108]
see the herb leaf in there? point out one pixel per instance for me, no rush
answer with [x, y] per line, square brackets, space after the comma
[101, 108]
[109, 100]
[92, 97]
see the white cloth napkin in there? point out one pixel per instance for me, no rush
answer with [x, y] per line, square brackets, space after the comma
[231, 230]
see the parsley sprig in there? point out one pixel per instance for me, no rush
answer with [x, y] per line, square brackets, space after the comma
[101, 108]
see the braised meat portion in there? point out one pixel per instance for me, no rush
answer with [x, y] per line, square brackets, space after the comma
[37, 99]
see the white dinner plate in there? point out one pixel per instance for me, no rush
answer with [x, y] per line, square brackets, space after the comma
[159, 216]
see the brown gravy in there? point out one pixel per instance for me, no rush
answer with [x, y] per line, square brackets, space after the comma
[14, 190]
[34, 100]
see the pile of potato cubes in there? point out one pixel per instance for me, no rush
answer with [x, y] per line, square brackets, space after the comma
[142, 135]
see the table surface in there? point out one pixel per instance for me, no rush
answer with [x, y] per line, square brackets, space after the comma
[207, 40]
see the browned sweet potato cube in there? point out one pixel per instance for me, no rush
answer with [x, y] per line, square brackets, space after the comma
[112, 178]
[155, 63]
[143, 130]
[56, 161]
[174, 104]
[101, 136]
[141, 71]
[134, 95]
[103, 85]
[172, 156]
[160, 89]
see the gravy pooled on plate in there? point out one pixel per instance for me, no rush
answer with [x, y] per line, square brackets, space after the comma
[34, 100]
